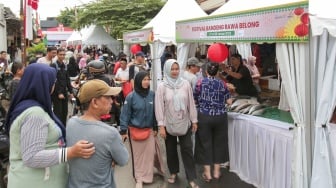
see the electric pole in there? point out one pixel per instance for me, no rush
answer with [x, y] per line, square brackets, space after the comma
[23, 36]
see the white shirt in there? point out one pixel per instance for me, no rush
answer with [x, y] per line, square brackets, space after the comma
[122, 74]
[192, 78]
[45, 60]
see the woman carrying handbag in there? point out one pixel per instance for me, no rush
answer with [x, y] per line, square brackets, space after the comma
[138, 120]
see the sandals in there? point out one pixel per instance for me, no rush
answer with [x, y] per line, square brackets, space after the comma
[172, 178]
[192, 184]
[206, 178]
[138, 185]
[217, 176]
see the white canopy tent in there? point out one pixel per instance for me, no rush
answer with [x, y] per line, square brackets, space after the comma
[292, 59]
[96, 35]
[74, 38]
[243, 5]
[323, 62]
[163, 25]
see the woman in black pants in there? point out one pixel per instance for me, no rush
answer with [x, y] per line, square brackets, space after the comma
[211, 147]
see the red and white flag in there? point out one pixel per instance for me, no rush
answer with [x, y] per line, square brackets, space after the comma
[33, 4]
[30, 6]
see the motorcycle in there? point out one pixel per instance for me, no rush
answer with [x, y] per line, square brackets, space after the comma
[4, 144]
[5, 79]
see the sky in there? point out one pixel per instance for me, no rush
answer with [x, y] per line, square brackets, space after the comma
[47, 8]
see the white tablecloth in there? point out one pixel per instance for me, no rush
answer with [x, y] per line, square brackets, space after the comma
[260, 150]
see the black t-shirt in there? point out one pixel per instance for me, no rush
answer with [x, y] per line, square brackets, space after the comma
[244, 85]
[62, 85]
[102, 77]
[73, 69]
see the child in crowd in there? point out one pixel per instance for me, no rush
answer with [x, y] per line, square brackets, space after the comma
[17, 71]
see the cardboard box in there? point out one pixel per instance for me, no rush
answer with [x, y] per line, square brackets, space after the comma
[274, 84]
[269, 82]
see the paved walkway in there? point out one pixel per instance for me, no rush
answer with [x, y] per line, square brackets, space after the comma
[124, 178]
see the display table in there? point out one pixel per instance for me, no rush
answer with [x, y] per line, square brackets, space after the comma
[260, 150]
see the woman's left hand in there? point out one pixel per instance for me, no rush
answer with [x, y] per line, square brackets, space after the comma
[194, 127]
[155, 133]
[82, 148]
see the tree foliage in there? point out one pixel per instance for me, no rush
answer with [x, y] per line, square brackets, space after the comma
[68, 16]
[117, 16]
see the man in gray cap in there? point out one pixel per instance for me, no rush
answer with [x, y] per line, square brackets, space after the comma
[193, 67]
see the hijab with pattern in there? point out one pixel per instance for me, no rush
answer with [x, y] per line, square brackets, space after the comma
[174, 83]
[143, 92]
[34, 89]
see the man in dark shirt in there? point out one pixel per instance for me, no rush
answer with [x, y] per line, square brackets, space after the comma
[240, 77]
[62, 87]
[96, 69]
[138, 65]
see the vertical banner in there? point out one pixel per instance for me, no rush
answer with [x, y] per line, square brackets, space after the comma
[28, 18]
[29, 7]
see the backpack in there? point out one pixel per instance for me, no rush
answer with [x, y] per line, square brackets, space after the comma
[132, 70]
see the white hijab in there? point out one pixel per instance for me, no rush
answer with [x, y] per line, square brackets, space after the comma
[173, 83]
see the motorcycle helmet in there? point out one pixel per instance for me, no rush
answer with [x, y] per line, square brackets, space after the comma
[96, 67]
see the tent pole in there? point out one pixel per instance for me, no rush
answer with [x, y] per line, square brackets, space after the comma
[310, 111]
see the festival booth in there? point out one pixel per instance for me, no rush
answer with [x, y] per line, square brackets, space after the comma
[96, 35]
[163, 27]
[263, 151]
[323, 62]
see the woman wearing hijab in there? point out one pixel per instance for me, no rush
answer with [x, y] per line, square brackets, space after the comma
[254, 71]
[177, 118]
[211, 148]
[38, 153]
[138, 113]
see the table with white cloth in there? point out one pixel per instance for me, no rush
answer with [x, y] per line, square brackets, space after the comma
[260, 150]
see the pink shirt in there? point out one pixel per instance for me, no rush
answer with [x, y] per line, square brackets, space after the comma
[164, 107]
[254, 71]
[82, 63]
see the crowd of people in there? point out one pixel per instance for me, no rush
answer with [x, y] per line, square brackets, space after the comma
[187, 108]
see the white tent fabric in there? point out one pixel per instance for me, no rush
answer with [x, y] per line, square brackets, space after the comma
[244, 49]
[74, 37]
[163, 23]
[184, 51]
[325, 67]
[323, 42]
[164, 29]
[96, 35]
[243, 5]
[77, 36]
[292, 59]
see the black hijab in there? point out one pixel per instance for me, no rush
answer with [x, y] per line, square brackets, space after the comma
[34, 90]
[138, 83]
